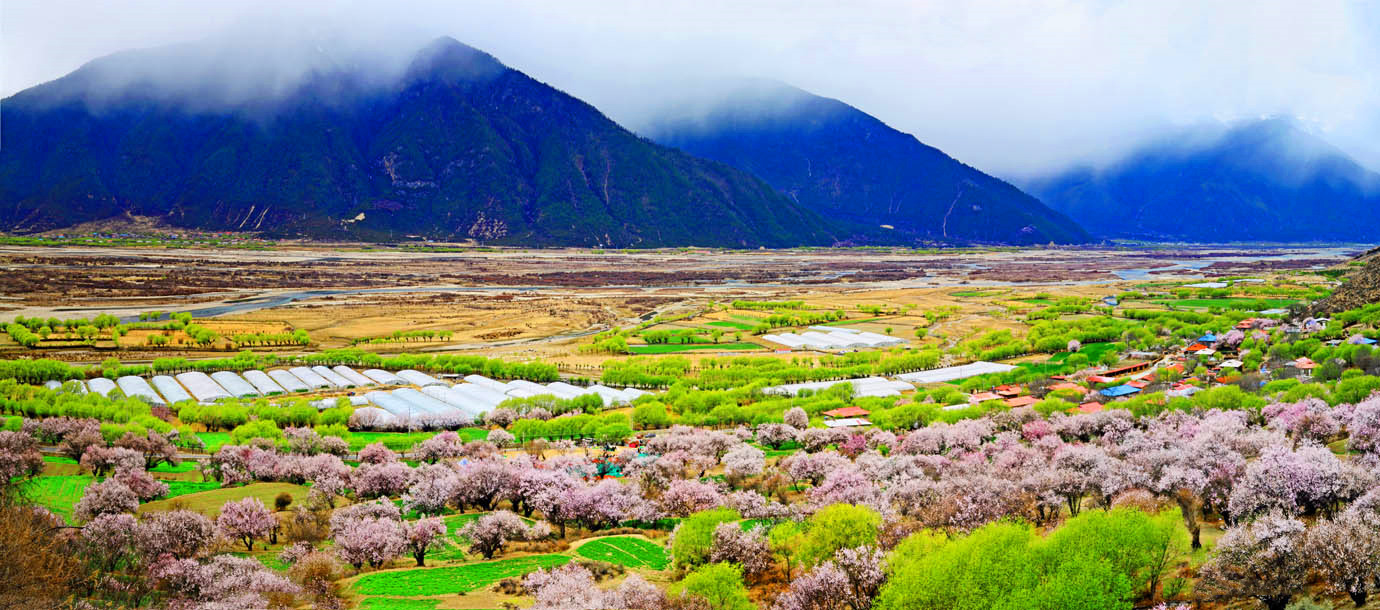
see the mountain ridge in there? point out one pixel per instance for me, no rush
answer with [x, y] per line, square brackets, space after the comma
[1264, 180]
[847, 165]
[460, 146]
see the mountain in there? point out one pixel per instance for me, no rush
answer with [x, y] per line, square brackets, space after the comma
[1360, 287]
[1266, 180]
[836, 160]
[452, 144]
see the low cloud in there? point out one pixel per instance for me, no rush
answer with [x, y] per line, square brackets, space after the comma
[1016, 88]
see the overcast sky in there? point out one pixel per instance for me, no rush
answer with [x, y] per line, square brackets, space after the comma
[1011, 87]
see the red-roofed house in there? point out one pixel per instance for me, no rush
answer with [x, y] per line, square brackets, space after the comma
[1305, 363]
[1138, 384]
[1069, 386]
[1088, 407]
[1101, 379]
[984, 397]
[1196, 347]
[847, 412]
[1023, 401]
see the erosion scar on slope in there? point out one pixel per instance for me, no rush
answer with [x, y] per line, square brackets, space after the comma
[944, 229]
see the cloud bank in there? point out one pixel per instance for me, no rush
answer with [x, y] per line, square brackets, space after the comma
[1016, 88]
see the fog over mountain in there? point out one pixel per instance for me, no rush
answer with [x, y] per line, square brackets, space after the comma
[330, 143]
[1015, 89]
[1265, 180]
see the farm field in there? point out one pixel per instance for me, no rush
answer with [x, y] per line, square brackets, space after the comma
[209, 502]
[604, 483]
[694, 347]
[625, 551]
[452, 579]
[57, 493]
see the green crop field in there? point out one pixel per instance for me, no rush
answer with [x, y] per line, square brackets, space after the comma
[454, 543]
[58, 459]
[1093, 351]
[214, 440]
[1231, 303]
[182, 488]
[405, 441]
[730, 324]
[390, 603]
[453, 579]
[978, 293]
[209, 502]
[58, 494]
[184, 466]
[627, 551]
[855, 321]
[662, 348]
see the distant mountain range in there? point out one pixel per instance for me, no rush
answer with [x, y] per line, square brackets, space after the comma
[457, 146]
[1264, 180]
[848, 166]
[448, 143]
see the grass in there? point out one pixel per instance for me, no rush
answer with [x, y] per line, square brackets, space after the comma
[390, 603]
[626, 551]
[209, 502]
[270, 560]
[184, 466]
[1229, 303]
[58, 459]
[405, 441]
[456, 544]
[214, 440]
[1094, 352]
[978, 293]
[855, 321]
[730, 324]
[58, 494]
[453, 579]
[182, 488]
[673, 349]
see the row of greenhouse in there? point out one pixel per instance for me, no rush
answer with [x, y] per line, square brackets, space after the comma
[432, 398]
[830, 338]
[439, 404]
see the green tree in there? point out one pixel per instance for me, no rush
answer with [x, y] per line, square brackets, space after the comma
[839, 526]
[695, 535]
[650, 415]
[720, 585]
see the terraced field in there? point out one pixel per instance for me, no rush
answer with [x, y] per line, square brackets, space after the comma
[453, 579]
[666, 348]
[454, 543]
[58, 494]
[627, 551]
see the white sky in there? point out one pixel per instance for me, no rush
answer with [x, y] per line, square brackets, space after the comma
[1013, 87]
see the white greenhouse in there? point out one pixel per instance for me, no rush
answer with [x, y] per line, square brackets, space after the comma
[397, 407]
[202, 387]
[102, 386]
[480, 394]
[353, 376]
[336, 379]
[465, 403]
[374, 418]
[234, 384]
[135, 387]
[480, 380]
[383, 377]
[419, 378]
[313, 380]
[263, 383]
[170, 389]
[289, 381]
